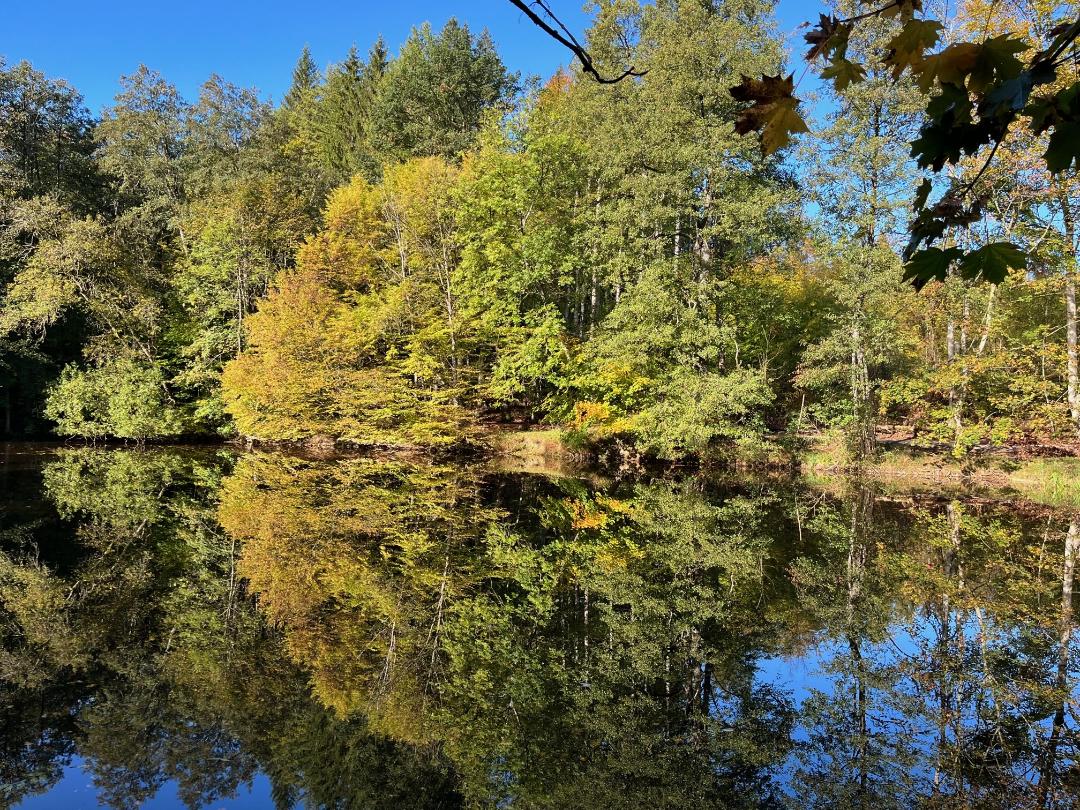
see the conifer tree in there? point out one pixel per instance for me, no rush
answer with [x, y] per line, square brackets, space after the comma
[339, 118]
[436, 91]
[305, 81]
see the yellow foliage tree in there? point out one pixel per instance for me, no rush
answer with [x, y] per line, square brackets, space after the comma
[359, 342]
[358, 560]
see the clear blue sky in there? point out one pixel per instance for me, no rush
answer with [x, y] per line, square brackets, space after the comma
[255, 44]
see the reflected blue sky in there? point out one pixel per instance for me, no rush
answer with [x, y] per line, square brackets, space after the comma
[76, 790]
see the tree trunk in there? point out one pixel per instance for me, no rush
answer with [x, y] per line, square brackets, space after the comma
[1073, 363]
[956, 394]
[1047, 769]
[862, 436]
[1073, 359]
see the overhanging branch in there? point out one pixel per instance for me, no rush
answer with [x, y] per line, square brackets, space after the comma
[564, 37]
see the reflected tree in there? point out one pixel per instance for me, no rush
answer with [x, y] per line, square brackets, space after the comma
[373, 632]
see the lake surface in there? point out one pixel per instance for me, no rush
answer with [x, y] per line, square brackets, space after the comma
[202, 628]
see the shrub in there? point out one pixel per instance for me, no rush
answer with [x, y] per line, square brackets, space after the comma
[122, 399]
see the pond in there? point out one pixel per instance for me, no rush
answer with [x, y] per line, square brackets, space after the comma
[209, 628]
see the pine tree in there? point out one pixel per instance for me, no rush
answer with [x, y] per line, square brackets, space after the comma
[305, 81]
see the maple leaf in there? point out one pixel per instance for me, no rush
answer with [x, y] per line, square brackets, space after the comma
[951, 208]
[1064, 146]
[829, 36]
[946, 141]
[951, 66]
[931, 148]
[782, 120]
[931, 223]
[950, 131]
[992, 262]
[929, 264]
[763, 90]
[952, 105]
[1008, 96]
[818, 37]
[1049, 111]
[922, 194]
[1062, 112]
[1043, 113]
[902, 8]
[844, 73]
[996, 61]
[908, 47]
[773, 111]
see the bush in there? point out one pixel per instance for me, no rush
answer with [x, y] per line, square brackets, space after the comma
[696, 409]
[121, 399]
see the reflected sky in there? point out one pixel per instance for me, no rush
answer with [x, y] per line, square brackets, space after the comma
[76, 789]
[198, 628]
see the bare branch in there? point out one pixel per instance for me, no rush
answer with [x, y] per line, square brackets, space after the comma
[562, 35]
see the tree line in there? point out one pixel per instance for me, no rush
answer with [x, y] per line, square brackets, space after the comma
[410, 246]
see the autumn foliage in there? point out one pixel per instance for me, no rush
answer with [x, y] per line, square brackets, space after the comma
[333, 348]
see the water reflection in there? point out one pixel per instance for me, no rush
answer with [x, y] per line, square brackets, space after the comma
[380, 633]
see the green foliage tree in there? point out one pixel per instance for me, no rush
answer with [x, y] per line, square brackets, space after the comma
[47, 140]
[520, 222]
[121, 398]
[433, 96]
[677, 205]
[46, 157]
[142, 140]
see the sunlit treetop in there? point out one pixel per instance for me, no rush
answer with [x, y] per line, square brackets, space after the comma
[978, 90]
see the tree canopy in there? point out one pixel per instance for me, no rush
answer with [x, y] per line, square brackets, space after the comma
[416, 246]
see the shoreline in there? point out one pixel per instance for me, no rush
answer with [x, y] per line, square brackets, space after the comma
[1039, 478]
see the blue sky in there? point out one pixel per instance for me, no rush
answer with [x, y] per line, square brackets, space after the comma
[255, 44]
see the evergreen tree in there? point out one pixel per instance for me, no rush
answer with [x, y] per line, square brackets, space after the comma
[340, 119]
[434, 94]
[305, 82]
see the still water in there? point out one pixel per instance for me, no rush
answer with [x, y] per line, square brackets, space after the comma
[202, 628]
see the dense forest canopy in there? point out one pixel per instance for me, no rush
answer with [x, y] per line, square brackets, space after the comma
[412, 245]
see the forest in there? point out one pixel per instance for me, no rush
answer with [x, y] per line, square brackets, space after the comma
[411, 249]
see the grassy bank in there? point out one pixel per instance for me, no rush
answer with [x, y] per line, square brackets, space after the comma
[1049, 481]
[1054, 481]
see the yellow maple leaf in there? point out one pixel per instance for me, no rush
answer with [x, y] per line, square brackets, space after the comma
[781, 120]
